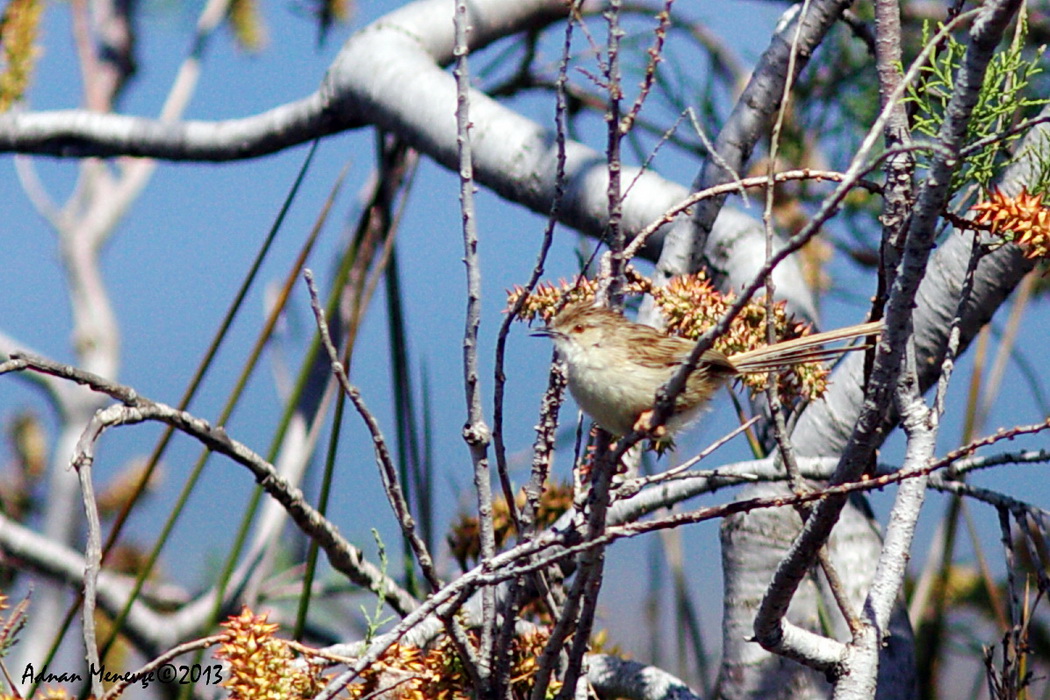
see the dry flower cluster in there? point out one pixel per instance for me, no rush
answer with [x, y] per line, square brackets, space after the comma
[464, 539]
[1023, 219]
[18, 30]
[262, 666]
[409, 673]
[548, 298]
[690, 305]
[46, 694]
[10, 625]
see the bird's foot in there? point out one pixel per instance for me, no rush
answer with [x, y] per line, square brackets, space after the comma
[644, 424]
[660, 440]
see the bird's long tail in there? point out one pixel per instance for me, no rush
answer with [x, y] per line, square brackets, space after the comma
[802, 350]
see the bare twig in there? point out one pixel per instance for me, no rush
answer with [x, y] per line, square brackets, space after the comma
[343, 556]
[655, 56]
[476, 433]
[92, 559]
[538, 477]
[543, 446]
[757, 181]
[387, 469]
[128, 679]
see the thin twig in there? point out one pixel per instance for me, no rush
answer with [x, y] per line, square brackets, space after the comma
[635, 485]
[532, 491]
[476, 433]
[128, 679]
[343, 556]
[387, 468]
[92, 561]
[391, 481]
[757, 181]
[655, 56]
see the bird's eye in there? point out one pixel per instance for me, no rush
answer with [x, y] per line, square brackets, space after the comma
[578, 328]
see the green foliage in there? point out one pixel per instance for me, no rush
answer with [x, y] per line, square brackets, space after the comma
[1038, 154]
[1001, 102]
[376, 619]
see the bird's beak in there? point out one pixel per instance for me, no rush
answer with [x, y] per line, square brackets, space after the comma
[545, 332]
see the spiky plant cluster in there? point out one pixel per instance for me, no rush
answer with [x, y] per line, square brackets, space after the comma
[464, 539]
[45, 694]
[1023, 220]
[401, 672]
[11, 625]
[548, 297]
[408, 673]
[691, 305]
[7, 639]
[525, 655]
[262, 666]
[18, 31]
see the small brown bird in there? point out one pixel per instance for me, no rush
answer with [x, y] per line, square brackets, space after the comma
[616, 366]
